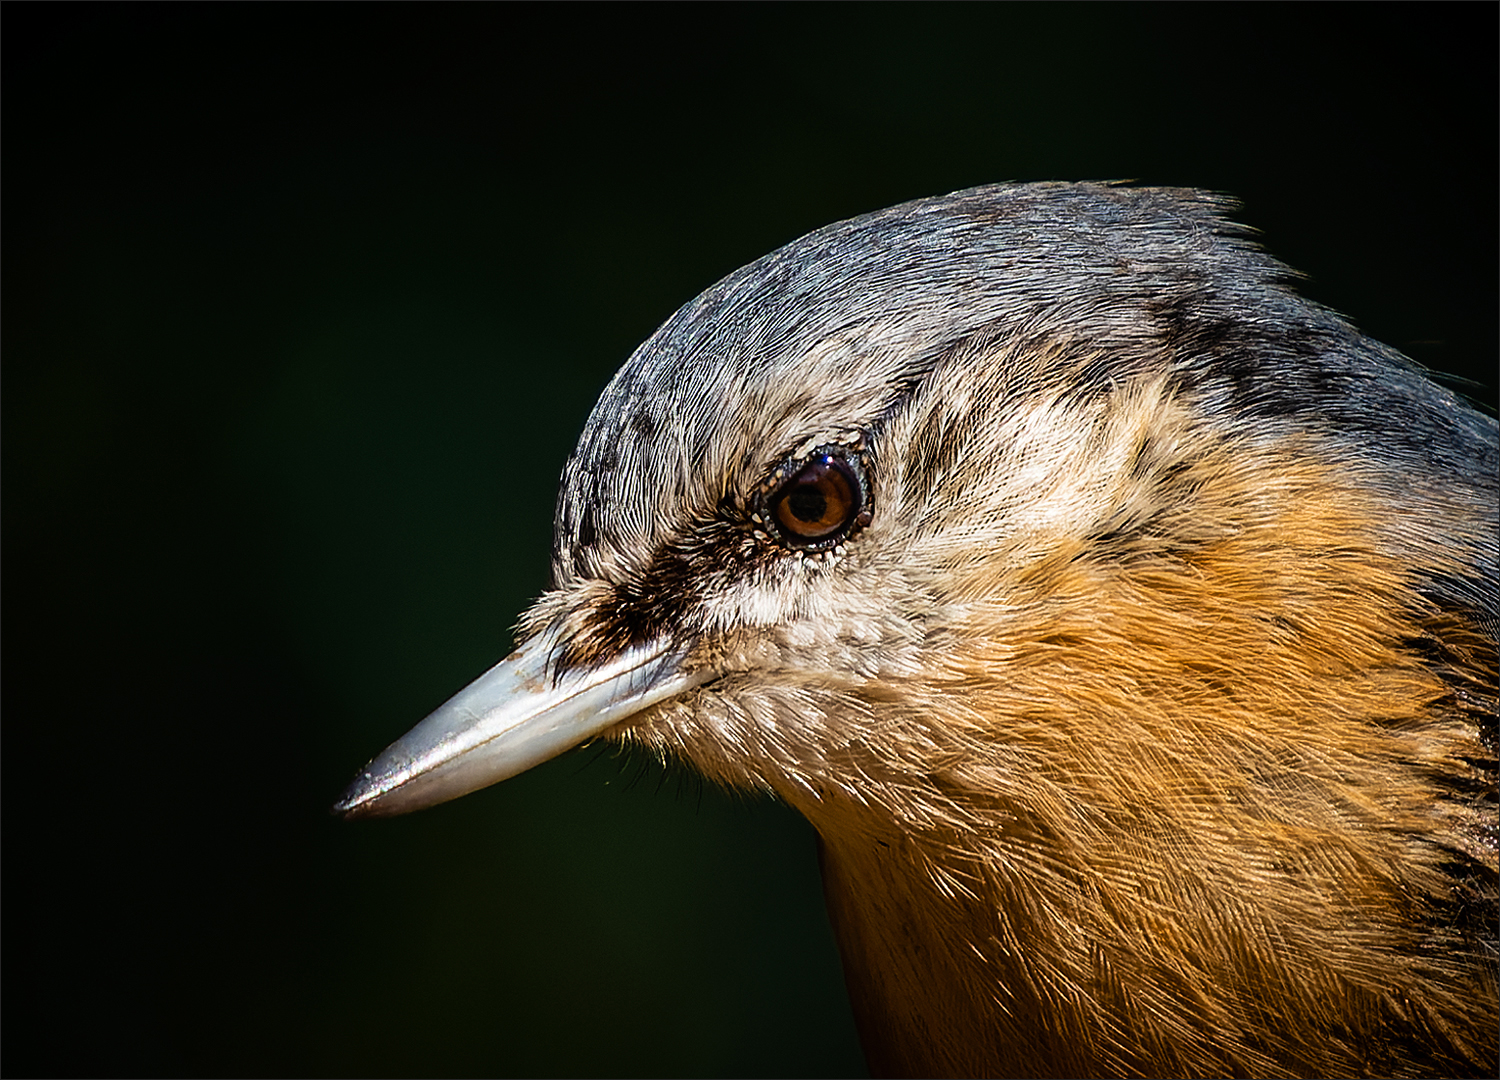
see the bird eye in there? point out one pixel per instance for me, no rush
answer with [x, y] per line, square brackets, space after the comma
[821, 503]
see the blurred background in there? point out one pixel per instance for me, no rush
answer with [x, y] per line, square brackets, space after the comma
[305, 306]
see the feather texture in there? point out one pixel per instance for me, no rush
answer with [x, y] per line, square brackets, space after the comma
[1149, 725]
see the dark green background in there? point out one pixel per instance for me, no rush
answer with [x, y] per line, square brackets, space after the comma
[304, 308]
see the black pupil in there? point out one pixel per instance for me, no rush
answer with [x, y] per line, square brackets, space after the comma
[807, 503]
[818, 505]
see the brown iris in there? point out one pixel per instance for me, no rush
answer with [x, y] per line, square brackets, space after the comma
[820, 503]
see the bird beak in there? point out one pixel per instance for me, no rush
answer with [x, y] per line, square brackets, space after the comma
[512, 717]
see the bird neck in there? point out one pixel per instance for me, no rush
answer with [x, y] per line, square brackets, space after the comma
[929, 995]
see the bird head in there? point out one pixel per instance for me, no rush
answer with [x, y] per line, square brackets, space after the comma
[828, 473]
[1038, 540]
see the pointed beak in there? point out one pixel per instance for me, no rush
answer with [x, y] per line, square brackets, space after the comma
[512, 717]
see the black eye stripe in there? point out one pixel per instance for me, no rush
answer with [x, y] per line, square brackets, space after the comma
[815, 502]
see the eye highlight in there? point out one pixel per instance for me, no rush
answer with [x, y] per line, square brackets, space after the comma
[819, 501]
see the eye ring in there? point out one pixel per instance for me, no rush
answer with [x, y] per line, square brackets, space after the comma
[815, 502]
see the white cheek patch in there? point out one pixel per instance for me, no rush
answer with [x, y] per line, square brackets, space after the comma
[755, 600]
[796, 596]
[1065, 467]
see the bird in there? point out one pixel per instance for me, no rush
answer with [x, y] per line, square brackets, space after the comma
[1124, 623]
